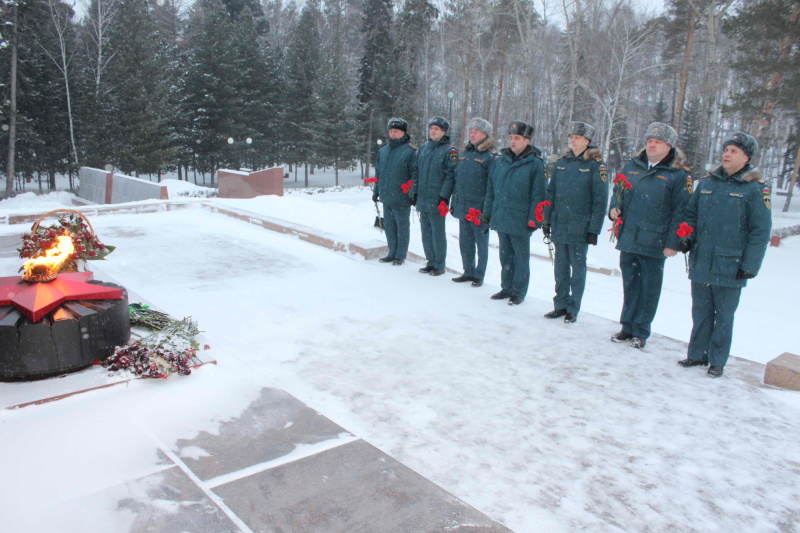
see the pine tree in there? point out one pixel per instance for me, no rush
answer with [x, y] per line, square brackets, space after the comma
[690, 135]
[303, 64]
[139, 130]
[336, 125]
[376, 71]
[660, 114]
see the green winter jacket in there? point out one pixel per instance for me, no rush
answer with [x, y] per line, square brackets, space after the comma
[653, 208]
[396, 164]
[436, 168]
[514, 190]
[578, 195]
[732, 220]
[472, 176]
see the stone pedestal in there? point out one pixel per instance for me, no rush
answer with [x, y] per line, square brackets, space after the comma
[784, 372]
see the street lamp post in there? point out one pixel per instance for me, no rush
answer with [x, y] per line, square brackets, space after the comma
[450, 96]
[248, 141]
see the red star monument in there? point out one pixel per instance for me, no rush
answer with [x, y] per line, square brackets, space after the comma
[35, 300]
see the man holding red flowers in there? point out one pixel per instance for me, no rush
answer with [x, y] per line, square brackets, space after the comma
[472, 174]
[433, 185]
[516, 186]
[652, 207]
[395, 167]
[577, 194]
[727, 229]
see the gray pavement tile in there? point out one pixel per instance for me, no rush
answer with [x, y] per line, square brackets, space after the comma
[271, 427]
[353, 488]
[174, 504]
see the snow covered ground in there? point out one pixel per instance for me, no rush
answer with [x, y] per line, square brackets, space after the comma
[543, 426]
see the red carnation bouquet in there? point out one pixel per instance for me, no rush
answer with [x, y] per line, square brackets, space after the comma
[87, 245]
[621, 184]
[684, 230]
[443, 209]
[538, 215]
[373, 179]
[406, 186]
[475, 216]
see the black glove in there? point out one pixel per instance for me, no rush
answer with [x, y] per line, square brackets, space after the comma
[744, 275]
[591, 238]
[375, 197]
[685, 245]
[413, 199]
[485, 230]
[546, 230]
[443, 199]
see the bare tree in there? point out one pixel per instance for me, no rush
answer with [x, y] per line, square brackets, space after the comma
[60, 17]
[100, 16]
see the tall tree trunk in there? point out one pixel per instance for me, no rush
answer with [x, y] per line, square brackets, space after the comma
[500, 90]
[466, 105]
[687, 59]
[792, 182]
[12, 118]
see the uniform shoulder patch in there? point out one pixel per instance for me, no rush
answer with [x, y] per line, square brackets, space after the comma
[603, 171]
[453, 155]
[766, 194]
[689, 183]
[598, 159]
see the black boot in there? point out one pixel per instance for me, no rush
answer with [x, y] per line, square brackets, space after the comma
[426, 269]
[686, 363]
[436, 272]
[638, 343]
[515, 300]
[621, 336]
[502, 295]
[462, 278]
[555, 313]
[714, 371]
[398, 262]
[387, 259]
[569, 318]
[477, 282]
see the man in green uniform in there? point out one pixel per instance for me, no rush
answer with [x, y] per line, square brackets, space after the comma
[730, 219]
[433, 185]
[395, 167]
[516, 186]
[472, 174]
[648, 216]
[578, 195]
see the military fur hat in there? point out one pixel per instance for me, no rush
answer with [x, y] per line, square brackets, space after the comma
[662, 132]
[520, 128]
[481, 125]
[397, 124]
[441, 122]
[746, 142]
[581, 128]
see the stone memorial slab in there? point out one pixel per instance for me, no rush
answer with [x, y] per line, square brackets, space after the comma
[351, 488]
[271, 427]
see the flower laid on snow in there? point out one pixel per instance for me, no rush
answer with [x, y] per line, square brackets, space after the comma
[475, 216]
[406, 186]
[684, 230]
[443, 209]
[170, 349]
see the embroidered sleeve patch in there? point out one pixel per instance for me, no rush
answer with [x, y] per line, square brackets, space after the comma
[453, 155]
[689, 183]
[766, 194]
[603, 173]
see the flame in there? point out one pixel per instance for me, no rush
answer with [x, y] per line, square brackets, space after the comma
[47, 266]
